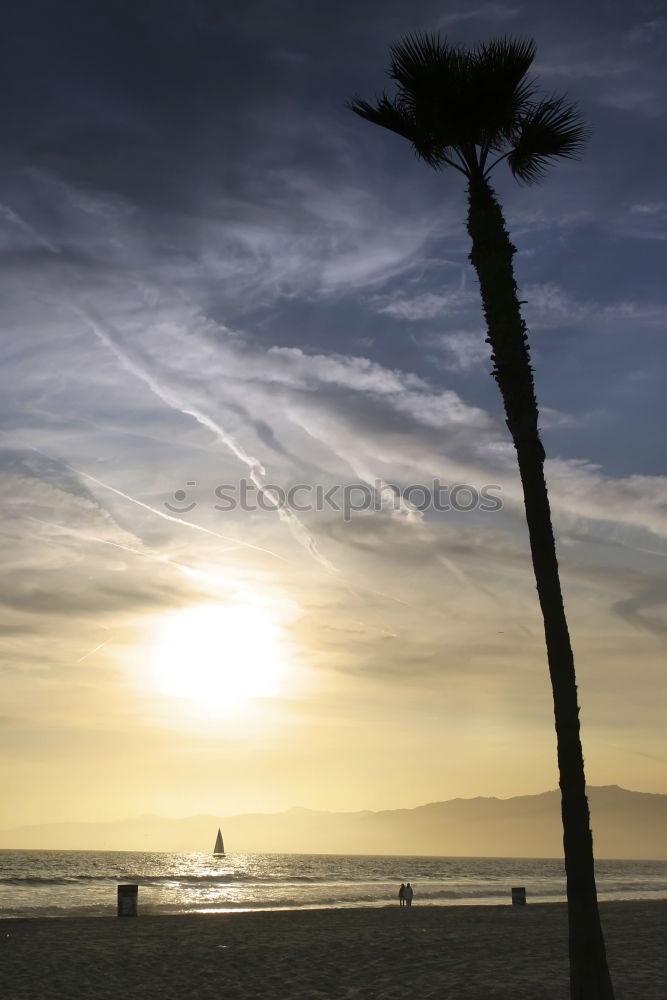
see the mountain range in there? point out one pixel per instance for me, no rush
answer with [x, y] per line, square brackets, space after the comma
[625, 824]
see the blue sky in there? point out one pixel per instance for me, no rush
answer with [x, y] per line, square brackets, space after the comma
[214, 271]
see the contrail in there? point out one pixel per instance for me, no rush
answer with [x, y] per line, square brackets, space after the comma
[255, 467]
[161, 513]
[468, 581]
[25, 227]
[168, 397]
[176, 520]
[189, 571]
[638, 753]
[91, 651]
[387, 597]
[457, 572]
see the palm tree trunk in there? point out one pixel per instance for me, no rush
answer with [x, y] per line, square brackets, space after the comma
[491, 257]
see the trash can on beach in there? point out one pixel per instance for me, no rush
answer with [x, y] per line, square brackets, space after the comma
[128, 896]
[519, 896]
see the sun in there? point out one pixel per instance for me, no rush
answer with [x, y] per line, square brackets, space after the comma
[218, 655]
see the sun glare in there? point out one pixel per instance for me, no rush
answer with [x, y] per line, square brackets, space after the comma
[220, 655]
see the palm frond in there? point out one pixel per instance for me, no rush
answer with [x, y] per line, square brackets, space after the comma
[499, 87]
[505, 55]
[432, 82]
[465, 96]
[551, 129]
[399, 116]
[389, 114]
[421, 58]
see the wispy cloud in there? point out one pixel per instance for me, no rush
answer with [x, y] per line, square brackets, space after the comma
[648, 208]
[549, 305]
[489, 11]
[425, 305]
[461, 350]
[256, 470]
[647, 31]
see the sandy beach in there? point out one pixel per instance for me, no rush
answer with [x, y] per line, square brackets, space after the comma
[470, 953]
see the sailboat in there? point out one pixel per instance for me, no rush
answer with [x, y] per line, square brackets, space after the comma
[219, 844]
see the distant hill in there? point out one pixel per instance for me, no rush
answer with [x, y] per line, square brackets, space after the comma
[625, 825]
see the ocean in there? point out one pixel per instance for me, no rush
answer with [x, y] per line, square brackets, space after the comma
[84, 883]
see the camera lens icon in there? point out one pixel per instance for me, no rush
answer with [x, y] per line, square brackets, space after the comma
[179, 497]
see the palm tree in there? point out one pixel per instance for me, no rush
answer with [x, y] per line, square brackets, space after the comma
[472, 109]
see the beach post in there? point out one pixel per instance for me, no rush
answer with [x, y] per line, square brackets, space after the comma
[128, 897]
[518, 896]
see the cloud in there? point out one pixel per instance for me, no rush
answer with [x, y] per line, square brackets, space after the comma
[303, 238]
[581, 489]
[461, 350]
[594, 67]
[424, 305]
[616, 76]
[35, 486]
[633, 609]
[492, 11]
[648, 208]
[645, 100]
[646, 220]
[403, 391]
[646, 31]
[52, 520]
[550, 305]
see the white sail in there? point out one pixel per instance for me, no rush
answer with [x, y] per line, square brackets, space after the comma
[219, 844]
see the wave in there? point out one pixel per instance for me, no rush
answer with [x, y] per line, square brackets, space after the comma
[428, 889]
[178, 904]
[80, 884]
[224, 878]
[175, 879]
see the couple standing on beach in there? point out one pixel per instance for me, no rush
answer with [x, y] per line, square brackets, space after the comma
[405, 894]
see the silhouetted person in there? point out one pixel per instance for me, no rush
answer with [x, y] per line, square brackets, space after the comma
[408, 893]
[401, 895]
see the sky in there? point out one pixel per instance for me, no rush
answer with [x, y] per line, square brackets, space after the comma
[220, 285]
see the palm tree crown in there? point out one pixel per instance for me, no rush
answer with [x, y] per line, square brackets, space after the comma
[466, 107]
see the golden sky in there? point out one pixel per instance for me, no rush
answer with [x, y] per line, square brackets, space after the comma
[390, 660]
[215, 275]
